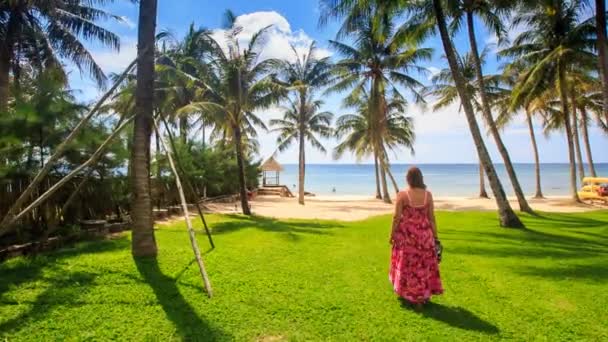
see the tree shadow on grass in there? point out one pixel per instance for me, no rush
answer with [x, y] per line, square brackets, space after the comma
[594, 272]
[456, 317]
[291, 228]
[183, 316]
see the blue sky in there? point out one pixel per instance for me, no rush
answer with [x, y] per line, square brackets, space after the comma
[442, 137]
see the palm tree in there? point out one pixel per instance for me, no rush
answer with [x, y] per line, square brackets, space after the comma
[490, 13]
[555, 42]
[355, 129]
[444, 90]
[304, 76]
[144, 243]
[381, 60]
[602, 49]
[40, 32]
[507, 216]
[301, 122]
[237, 85]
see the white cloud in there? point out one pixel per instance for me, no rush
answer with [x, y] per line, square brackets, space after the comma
[432, 72]
[278, 38]
[112, 61]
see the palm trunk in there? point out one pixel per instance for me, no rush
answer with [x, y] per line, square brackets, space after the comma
[378, 194]
[183, 130]
[386, 197]
[487, 113]
[602, 47]
[390, 175]
[539, 193]
[563, 94]
[301, 169]
[507, 216]
[143, 241]
[159, 184]
[482, 183]
[238, 145]
[586, 141]
[577, 143]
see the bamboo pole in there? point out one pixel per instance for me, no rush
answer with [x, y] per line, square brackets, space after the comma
[65, 179]
[197, 252]
[187, 180]
[10, 217]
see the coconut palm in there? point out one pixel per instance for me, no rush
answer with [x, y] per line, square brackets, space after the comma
[381, 61]
[355, 130]
[144, 243]
[304, 76]
[301, 122]
[237, 85]
[507, 216]
[490, 12]
[602, 49]
[444, 91]
[41, 32]
[556, 41]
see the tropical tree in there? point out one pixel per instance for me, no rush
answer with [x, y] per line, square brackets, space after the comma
[237, 85]
[304, 75]
[602, 50]
[144, 243]
[301, 122]
[490, 13]
[355, 130]
[507, 216]
[382, 60]
[443, 89]
[555, 41]
[42, 32]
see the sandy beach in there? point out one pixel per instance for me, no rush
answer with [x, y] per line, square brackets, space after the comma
[353, 208]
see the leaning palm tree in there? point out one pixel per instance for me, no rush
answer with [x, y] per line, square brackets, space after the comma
[302, 122]
[144, 243]
[304, 76]
[382, 60]
[507, 216]
[445, 92]
[490, 11]
[41, 32]
[556, 41]
[238, 84]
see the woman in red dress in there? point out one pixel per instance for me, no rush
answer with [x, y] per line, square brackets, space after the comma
[414, 269]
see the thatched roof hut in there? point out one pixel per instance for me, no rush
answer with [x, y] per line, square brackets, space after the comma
[270, 172]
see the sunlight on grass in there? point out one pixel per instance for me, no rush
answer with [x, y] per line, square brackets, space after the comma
[317, 280]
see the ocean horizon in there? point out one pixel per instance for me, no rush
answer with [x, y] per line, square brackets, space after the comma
[442, 179]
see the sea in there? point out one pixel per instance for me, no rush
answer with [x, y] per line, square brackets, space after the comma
[461, 180]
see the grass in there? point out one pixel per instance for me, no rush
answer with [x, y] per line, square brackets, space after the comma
[318, 280]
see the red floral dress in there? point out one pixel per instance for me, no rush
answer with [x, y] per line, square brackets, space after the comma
[414, 269]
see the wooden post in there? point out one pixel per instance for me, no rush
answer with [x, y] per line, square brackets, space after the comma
[197, 252]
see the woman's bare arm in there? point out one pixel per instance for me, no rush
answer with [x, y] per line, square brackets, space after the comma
[397, 214]
[432, 214]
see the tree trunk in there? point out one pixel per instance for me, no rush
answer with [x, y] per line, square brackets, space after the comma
[378, 194]
[563, 94]
[191, 233]
[602, 47]
[539, 192]
[143, 241]
[507, 216]
[487, 113]
[386, 197]
[5, 66]
[577, 142]
[241, 169]
[482, 183]
[159, 185]
[585, 132]
[390, 175]
[301, 169]
[183, 129]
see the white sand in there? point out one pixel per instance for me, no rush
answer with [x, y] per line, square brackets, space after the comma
[353, 208]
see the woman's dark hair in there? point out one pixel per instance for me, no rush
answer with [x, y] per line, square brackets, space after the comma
[414, 178]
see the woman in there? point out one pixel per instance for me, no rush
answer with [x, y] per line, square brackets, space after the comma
[414, 268]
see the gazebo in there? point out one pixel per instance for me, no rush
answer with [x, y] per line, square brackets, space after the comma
[270, 172]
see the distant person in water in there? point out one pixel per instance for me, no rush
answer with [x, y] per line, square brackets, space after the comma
[414, 269]
[333, 189]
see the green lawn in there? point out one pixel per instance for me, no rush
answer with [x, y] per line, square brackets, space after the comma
[308, 280]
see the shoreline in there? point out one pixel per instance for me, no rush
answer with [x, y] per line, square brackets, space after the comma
[358, 207]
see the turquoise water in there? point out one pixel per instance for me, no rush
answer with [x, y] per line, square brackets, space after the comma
[442, 179]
